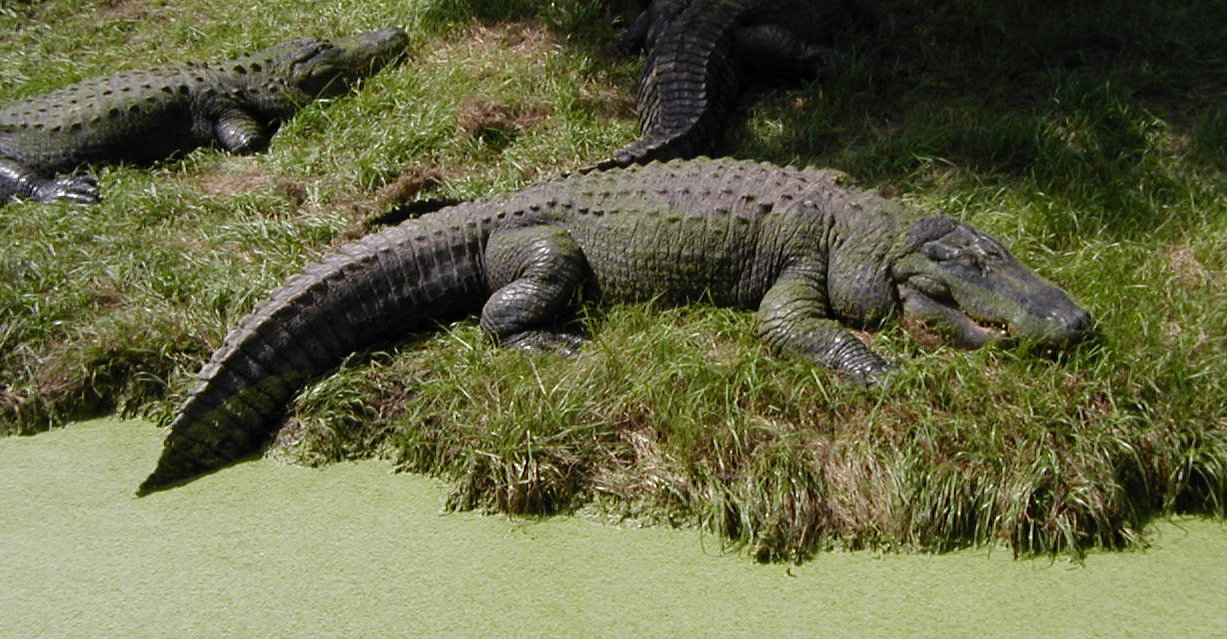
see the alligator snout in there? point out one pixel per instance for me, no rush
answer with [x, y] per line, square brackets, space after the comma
[1080, 322]
[1071, 324]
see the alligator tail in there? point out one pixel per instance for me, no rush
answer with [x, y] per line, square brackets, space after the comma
[365, 294]
[687, 89]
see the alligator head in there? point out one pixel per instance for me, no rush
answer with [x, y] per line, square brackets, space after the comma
[331, 68]
[313, 68]
[966, 286]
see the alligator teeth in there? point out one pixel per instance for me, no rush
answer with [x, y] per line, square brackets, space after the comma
[995, 328]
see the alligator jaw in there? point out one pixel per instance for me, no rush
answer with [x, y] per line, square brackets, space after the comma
[967, 287]
[338, 65]
[368, 51]
[947, 319]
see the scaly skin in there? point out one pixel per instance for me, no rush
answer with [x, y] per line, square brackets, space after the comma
[143, 116]
[703, 52]
[808, 253]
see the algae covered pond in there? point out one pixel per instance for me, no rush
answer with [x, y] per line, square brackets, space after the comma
[351, 550]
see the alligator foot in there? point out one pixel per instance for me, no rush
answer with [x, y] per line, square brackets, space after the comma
[880, 377]
[557, 342]
[76, 188]
[18, 181]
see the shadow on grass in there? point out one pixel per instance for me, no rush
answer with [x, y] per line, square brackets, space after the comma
[1081, 101]
[1081, 105]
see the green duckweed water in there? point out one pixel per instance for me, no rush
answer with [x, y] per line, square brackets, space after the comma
[351, 550]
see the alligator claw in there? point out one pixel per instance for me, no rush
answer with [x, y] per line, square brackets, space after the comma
[882, 377]
[876, 373]
[81, 188]
[559, 343]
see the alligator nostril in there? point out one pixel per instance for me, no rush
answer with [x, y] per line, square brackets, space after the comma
[1080, 321]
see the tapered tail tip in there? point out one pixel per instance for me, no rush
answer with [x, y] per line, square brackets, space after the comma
[175, 469]
[158, 480]
[146, 488]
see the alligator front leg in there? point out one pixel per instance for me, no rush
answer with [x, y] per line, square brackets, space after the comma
[652, 20]
[240, 133]
[776, 53]
[793, 317]
[535, 271]
[18, 180]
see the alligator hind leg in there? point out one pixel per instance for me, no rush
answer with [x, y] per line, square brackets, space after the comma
[18, 180]
[240, 133]
[776, 54]
[535, 272]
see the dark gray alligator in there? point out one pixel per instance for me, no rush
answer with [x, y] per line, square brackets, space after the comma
[810, 254]
[702, 53]
[143, 116]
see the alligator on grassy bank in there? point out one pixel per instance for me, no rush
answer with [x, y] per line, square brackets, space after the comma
[143, 116]
[809, 253]
[702, 53]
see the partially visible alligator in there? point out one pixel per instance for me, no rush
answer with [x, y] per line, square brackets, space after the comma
[702, 53]
[143, 116]
[809, 253]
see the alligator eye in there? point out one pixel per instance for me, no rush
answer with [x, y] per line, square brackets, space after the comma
[940, 252]
[930, 286]
[968, 260]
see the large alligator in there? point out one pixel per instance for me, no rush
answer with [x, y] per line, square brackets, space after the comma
[702, 53]
[143, 116]
[809, 253]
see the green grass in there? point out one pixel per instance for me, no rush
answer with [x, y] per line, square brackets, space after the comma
[1093, 147]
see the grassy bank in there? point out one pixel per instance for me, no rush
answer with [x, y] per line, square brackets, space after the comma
[1094, 148]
